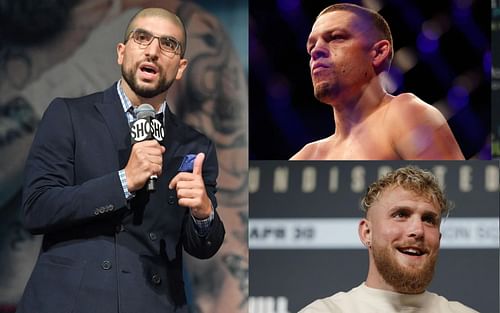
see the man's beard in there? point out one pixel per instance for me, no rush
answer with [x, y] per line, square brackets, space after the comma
[326, 92]
[404, 279]
[146, 92]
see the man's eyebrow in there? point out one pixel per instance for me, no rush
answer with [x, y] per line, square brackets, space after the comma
[400, 207]
[327, 31]
[153, 33]
[332, 29]
[432, 214]
[409, 208]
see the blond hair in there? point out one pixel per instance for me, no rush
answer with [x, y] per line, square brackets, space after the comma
[410, 178]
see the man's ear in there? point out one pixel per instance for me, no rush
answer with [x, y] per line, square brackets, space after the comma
[120, 50]
[182, 66]
[364, 232]
[380, 53]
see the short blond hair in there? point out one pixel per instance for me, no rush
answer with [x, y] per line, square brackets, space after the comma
[411, 178]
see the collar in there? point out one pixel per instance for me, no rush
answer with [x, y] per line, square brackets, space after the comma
[127, 104]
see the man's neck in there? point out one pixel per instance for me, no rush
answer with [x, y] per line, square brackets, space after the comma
[375, 280]
[349, 113]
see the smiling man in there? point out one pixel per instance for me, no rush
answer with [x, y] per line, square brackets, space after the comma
[350, 47]
[401, 230]
[110, 244]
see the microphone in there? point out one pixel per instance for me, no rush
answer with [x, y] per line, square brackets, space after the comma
[147, 127]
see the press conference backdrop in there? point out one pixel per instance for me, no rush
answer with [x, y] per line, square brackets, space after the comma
[303, 231]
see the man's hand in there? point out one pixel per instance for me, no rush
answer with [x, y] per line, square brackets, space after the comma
[191, 190]
[146, 159]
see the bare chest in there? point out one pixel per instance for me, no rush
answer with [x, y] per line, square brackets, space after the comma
[368, 145]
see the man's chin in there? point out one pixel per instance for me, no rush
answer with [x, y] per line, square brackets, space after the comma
[325, 93]
[147, 94]
[406, 275]
[146, 90]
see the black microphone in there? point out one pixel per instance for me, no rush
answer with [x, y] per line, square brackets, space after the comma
[147, 127]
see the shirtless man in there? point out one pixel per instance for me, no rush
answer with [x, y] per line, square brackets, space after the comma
[349, 47]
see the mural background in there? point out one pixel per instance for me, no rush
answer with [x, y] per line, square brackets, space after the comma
[67, 48]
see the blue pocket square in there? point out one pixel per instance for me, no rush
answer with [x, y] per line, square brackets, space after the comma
[187, 163]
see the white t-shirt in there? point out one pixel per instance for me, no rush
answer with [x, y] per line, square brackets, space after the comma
[363, 299]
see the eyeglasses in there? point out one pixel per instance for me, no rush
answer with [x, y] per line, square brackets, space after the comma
[167, 43]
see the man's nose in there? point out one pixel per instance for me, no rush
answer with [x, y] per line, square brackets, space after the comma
[320, 50]
[416, 228]
[153, 49]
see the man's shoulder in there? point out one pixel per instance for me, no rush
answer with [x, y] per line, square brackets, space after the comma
[333, 304]
[84, 101]
[458, 307]
[356, 300]
[62, 106]
[98, 96]
[410, 104]
[409, 120]
[449, 306]
[310, 151]
[325, 305]
[411, 110]
[86, 98]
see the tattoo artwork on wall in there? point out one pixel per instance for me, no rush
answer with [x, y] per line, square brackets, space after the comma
[214, 99]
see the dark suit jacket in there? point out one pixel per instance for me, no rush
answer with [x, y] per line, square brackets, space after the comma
[100, 252]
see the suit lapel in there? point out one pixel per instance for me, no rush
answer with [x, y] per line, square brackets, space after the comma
[172, 135]
[112, 112]
[116, 121]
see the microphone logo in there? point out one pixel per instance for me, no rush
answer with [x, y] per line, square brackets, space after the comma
[140, 130]
[146, 126]
[157, 130]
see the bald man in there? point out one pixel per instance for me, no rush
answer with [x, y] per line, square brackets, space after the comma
[110, 243]
[349, 47]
